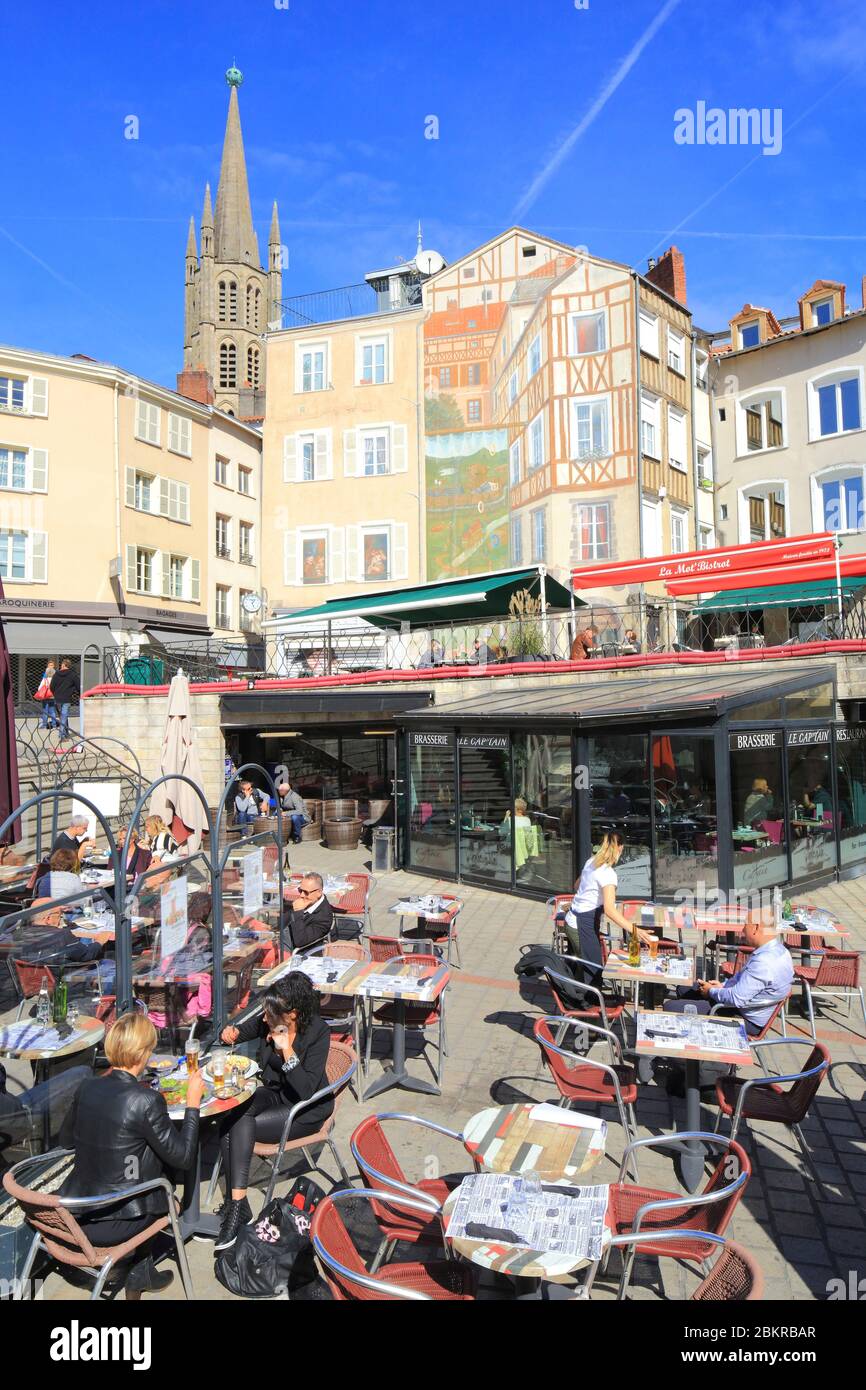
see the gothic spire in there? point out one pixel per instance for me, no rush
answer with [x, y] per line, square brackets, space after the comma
[274, 237]
[191, 249]
[234, 235]
[207, 210]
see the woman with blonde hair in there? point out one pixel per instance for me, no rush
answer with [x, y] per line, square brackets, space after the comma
[594, 897]
[160, 841]
[122, 1136]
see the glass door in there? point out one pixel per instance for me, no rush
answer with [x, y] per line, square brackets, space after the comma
[486, 822]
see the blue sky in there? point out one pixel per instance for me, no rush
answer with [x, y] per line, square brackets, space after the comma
[336, 92]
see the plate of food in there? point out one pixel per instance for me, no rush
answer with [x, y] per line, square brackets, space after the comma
[173, 1088]
[162, 1066]
[245, 1066]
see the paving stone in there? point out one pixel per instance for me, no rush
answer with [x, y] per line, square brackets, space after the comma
[799, 1250]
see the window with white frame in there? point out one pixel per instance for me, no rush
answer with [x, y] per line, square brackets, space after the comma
[473, 374]
[650, 440]
[514, 463]
[373, 361]
[147, 422]
[593, 530]
[245, 481]
[145, 570]
[13, 555]
[223, 537]
[177, 576]
[142, 492]
[834, 404]
[762, 511]
[538, 531]
[677, 447]
[702, 368]
[375, 450]
[513, 387]
[221, 471]
[312, 367]
[517, 540]
[13, 393]
[23, 470]
[162, 572]
[761, 423]
[587, 332]
[750, 334]
[245, 543]
[307, 457]
[679, 531]
[705, 538]
[180, 434]
[533, 358]
[377, 551]
[146, 492]
[590, 427]
[652, 530]
[535, 453]
[676, 351]
[314, 555]
[223, 606]
[822, 312]
[648, 333]
[840, 497]
[705, 465]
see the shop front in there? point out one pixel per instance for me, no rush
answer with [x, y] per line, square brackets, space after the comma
[740, 781]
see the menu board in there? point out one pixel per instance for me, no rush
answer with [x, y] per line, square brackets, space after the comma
[254, 881]
[173, 918]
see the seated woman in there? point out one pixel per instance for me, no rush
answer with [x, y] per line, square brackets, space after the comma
[122, 1136]
[293, 1055]
[136, 857]
[160, 841]
[62, 879]
[194, 963]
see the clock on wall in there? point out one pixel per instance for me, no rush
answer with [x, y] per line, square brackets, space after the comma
[251, 603]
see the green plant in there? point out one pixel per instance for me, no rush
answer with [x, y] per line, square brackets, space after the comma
[525, 636]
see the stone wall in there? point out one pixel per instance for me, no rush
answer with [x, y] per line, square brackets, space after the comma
[140, 721]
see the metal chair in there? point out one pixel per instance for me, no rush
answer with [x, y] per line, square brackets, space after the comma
[736, 1276]
[339, 1070]
[341, 1012]
[380, 1168]
[762, 1098]
[559, 905]
[606, 1009]
[52, 1217]
[344, 1270]
[416, 1015]
[632, 1210]
[580, 1078]
[27, 977]
[430, 927]
[837, 975]
[354, 906]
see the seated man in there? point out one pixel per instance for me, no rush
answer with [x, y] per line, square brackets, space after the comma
[753, 992]
[312, 914]
[296, 806]
[250, 804]
[46, 937]
[74, 837]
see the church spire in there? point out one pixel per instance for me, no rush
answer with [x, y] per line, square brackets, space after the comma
[235, 239]
[191, 249]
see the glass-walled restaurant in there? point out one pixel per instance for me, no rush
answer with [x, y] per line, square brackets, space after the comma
[741, 780]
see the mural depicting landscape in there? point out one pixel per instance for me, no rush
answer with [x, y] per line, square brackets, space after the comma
[467, 502]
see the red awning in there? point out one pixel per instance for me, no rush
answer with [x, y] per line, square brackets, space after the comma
[708, 565]
[768, 576]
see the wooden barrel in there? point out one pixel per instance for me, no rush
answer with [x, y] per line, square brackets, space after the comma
[342, 833]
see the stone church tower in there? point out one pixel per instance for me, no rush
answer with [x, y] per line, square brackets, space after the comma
[229, 298]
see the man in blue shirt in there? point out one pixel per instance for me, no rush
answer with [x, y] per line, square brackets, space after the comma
[752, 992]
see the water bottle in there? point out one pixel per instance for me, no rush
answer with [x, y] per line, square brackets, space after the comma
[43, 1005]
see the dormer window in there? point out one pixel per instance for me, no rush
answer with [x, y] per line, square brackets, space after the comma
[750, 334]
[822, 312]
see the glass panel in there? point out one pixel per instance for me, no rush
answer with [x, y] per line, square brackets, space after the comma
[813, 815]
[812, 704]
[432, 811]
[312, 764]
[757, 812]
[173, 975]
[686, 840]
[620, 797]
[250, 885]
[485, 807]
[367, 775]
[851, 779]
[542, 811]
[763, 709]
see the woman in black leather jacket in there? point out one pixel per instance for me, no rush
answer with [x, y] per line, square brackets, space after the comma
[293, 1056]
[122, 1136]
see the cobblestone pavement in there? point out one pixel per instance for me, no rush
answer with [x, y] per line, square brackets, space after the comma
[803, 1239]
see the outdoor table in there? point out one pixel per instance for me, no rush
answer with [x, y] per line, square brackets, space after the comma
[664, 970]
[554, 1257]
[86, 1034]
[693, 1038]
[749, 837]
[544, 1139]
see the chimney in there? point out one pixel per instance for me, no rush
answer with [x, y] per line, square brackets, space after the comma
[669, 273]
[197, 385]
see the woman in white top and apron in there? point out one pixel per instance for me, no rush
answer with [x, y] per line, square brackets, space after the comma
[594, 895]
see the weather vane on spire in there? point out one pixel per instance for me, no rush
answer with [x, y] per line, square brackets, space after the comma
[234, 76]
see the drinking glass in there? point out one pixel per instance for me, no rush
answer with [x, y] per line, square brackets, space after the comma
[193, 1052]
[72, 1014]
[218, 1066]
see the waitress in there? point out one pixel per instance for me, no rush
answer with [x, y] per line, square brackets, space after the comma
[594, 895]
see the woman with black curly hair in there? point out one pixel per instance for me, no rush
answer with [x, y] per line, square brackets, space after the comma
[293, 1056]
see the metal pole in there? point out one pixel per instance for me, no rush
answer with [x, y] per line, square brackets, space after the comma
[837, 546]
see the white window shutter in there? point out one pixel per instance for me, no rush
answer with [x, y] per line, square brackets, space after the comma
[353, 553]
[39, 557]
[336, 555]
[324, 462]
[164, 497]
[290, 455]
[350, 453]
[185, 436]
[130, 569]
[399, 450]
[290, 558]
[39, 470]
[195, 580]
[183, 501]
[130, 487]
[173, 431]
[400, 543]
[165, 562]
[38, 395]
[141, 419]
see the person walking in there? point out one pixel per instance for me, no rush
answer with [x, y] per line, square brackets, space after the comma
[49, 716]
[66, 692]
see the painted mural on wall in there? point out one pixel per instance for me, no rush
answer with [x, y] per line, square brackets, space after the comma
[467, 502]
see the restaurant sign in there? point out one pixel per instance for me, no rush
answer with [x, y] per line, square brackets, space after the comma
[798, 737]
[709, 564]
[851, 733]
[751, 740]
[433, 740]
[484, 741]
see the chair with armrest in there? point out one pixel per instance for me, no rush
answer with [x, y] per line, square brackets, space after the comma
[837, 975]
[735, 1277]
[584, 1080]
[763, 1098]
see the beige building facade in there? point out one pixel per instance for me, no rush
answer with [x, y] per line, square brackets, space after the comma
[108, 505]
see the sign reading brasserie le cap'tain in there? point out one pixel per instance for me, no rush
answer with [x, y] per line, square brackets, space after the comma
[798, 737]
[483, 741]
[753, 740]
[432, 740]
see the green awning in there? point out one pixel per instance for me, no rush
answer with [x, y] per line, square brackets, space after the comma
[782, 595]
[456, 601]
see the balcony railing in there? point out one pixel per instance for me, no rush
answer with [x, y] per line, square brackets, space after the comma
[223, 552]
[348, 302]
[246, 558]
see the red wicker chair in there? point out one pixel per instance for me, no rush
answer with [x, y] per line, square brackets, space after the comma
[380, 1169]
[354, 906]
[27, 977]
[602, 1008]
[582, 1079]
[439, 928]
[634, 1210]
[837, 974]
[347, 1277]
[763, 1098]
[736, 1277]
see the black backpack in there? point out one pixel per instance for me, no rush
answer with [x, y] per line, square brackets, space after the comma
[273, 1255]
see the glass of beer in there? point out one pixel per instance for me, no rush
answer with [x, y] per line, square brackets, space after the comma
[653, 947]
[218, 1067]
[193, 1052]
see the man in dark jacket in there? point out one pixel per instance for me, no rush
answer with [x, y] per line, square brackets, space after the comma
[312, 914]
[46, 938]
[65, 691]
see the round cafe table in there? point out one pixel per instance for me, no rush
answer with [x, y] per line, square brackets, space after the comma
[94, 1033]
[536, 1138]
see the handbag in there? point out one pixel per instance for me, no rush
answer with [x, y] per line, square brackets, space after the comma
[273, 1254]
[43, 690]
